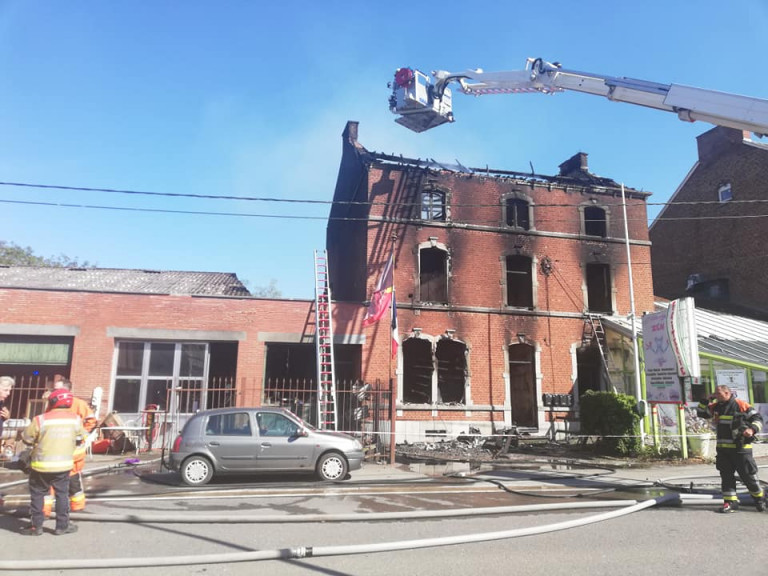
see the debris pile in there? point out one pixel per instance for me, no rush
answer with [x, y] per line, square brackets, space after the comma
[472, 446]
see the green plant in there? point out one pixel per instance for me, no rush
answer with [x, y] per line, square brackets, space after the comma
[614, 419]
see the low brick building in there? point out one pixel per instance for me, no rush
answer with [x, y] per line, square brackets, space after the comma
[137, 334]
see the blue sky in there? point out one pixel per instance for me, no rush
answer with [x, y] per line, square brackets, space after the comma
[246, 98]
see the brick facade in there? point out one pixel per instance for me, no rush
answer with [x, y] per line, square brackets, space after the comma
[477, 240]
[713, 249]
[95, 318]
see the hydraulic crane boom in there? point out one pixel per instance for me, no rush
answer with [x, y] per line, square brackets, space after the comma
[423, 102]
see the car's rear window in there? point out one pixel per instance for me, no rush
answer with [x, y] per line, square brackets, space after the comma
[234, 424]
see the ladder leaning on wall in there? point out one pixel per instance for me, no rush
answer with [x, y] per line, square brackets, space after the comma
[609, 366]
[326, 381]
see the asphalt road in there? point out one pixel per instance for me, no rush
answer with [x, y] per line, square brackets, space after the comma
[667, 540]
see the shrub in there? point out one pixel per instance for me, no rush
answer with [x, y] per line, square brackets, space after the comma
[614, 419]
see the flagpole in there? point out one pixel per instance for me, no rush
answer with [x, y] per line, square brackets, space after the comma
[635, 351]
[392, 410]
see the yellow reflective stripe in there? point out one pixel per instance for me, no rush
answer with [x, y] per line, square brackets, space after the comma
[62, 466]
[724, 417]
[732, 445]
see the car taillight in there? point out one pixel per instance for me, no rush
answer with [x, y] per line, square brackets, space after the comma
[176, 444]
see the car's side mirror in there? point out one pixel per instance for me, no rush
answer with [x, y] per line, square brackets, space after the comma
[302, 432]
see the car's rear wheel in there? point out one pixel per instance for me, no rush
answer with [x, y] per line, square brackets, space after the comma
[196, 471]
[332, 466]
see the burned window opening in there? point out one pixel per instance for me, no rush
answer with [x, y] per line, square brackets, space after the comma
[595, 221]
[599, 288]
[519, 281]
[433, 205]
[433, 275]
[518, 213]
[451, 371]
[417, 371]
[522, 385]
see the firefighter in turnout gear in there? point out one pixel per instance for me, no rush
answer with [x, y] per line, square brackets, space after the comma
[53, 437]
[76, 490]
[737, 424]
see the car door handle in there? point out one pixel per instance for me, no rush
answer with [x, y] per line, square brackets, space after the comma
[214, 444]
[266, 445]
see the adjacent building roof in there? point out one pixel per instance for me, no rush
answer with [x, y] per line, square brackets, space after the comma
[126, 281]
[735, 337]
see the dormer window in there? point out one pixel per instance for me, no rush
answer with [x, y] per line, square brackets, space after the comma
[724, 193]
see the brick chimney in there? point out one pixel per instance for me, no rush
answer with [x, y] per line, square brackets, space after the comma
[715, 142]
[575, 165]
[350, 131]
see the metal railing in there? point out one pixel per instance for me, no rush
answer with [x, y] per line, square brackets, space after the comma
[364, 409]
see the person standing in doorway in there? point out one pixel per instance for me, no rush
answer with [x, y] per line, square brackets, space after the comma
[6, 385]
[737, 424]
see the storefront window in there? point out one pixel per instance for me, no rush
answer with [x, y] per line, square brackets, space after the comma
[146, 373]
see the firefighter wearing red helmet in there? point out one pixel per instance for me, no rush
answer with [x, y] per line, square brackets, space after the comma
[76, 489]
[53, 437]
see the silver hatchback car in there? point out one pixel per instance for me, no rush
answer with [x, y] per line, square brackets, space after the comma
[253, 440]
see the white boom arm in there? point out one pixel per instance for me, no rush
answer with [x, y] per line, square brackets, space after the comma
[424, 103]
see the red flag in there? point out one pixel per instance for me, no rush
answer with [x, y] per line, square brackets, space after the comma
[382, 296]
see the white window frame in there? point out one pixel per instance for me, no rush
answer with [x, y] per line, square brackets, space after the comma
[145, 378]
[725, 192]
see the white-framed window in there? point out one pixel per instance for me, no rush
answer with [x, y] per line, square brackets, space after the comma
[724, 192]
[145, 372]
[433, 205]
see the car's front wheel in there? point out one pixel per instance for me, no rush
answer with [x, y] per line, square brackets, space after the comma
[332, 466]
[196, 471]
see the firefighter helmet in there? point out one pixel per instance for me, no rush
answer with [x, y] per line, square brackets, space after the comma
[60, 398]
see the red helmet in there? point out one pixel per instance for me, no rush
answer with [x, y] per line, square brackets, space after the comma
[60, 398]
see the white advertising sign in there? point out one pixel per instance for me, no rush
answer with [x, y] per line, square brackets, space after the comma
[736, 380]
[662, 384]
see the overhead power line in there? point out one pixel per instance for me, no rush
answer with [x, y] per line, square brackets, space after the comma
[342, 202]
[384, 218]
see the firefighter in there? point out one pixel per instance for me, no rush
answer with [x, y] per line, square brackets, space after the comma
[737, 424]
[76, 490]
[52, 437]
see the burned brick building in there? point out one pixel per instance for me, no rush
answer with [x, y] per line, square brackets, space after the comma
[497, 275]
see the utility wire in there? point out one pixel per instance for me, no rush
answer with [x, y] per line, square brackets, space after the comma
[344, 218]
[352, 202]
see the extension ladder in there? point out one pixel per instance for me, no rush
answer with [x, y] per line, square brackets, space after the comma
[326, 381]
